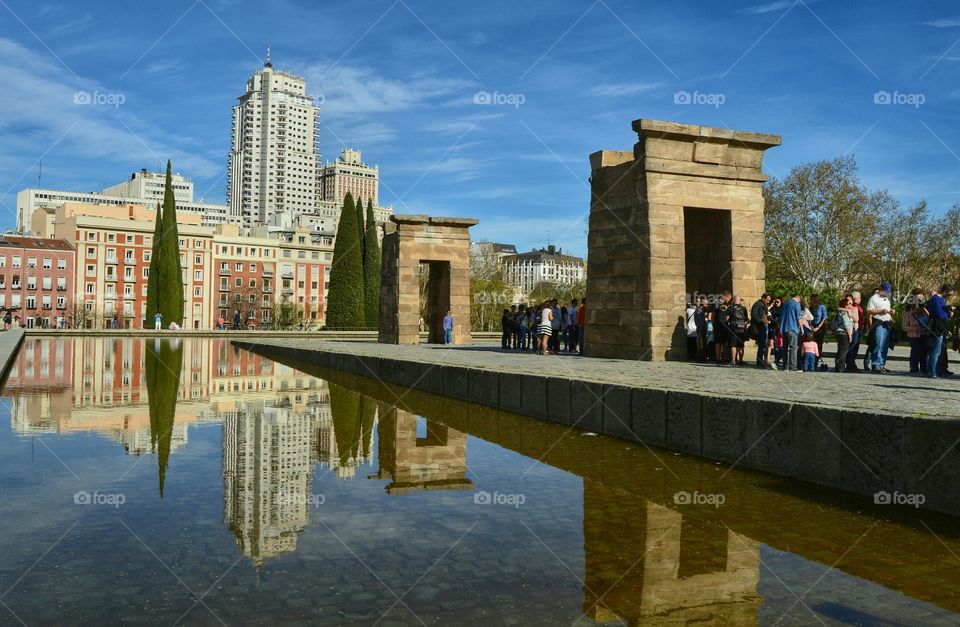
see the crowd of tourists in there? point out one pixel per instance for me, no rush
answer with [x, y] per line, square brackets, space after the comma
[549, 328]
[790, 331]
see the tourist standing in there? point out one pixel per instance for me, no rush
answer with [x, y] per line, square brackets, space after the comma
[690, 326]
[790, 323]
[448, 328]
[858, 328]
[158, 321]
[221, 322]
[842, 325]
[522, 328]
[720, 333]
[573, 327]
[881, 316]
[554, 326]
[581, 323]
[737, 320]
[939, 325]
[236, 320]
[819, 322]
[7, 321]
[760, 320]
[915, 325]
[505, 324]
[545, 329]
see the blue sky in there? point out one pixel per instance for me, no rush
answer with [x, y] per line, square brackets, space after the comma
[398, 79]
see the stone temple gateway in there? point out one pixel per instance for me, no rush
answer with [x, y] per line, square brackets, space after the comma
[682, 214]
[443, 245]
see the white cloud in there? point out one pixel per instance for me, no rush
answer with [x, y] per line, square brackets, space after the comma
[945, 23]
[348, 90]
[770, 7]
[623, 89]
[40, 112]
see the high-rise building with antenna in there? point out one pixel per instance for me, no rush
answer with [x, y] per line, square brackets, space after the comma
[274, 160]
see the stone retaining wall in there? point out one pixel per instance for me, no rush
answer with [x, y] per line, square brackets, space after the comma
[853, 451]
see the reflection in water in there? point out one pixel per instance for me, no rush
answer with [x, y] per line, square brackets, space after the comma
[163, 363]
[637, 557]
[437, 461]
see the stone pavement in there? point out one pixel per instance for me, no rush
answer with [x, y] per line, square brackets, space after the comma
[896, 393]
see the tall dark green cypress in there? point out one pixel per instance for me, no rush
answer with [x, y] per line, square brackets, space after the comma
[165, 280]
[345, 296]
[171, 275]
[163, 362]
[153, 282]
[371, 270]
[360, 228]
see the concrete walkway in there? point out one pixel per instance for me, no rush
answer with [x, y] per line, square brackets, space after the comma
[896, 393]
[10, 342]
[863, 433]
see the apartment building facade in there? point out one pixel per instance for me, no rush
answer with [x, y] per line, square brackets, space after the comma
[37, 280]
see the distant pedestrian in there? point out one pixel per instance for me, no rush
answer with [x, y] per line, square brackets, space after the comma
[545, 329]
[760, 321]
[573, 327]
[736, 329]
[859, 329]
[581, 323]
[505, 329]
[690, 326]
[236, 320]
[842, 325]
[448, 328]
[881, 316]
[790, 323]
[916, 325]
[221, 322]
[939, 328]
[7, 321]
[158, 321]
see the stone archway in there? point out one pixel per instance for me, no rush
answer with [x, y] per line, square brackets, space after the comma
[443, 244]
[681, 214]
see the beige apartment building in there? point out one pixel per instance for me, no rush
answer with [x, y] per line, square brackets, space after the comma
[224, 272]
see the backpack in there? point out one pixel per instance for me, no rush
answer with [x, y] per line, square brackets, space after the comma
[838, 323]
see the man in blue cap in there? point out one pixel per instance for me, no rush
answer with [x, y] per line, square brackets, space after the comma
[881, 312]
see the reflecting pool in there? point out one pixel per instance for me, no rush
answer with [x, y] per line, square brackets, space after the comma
[155, 482]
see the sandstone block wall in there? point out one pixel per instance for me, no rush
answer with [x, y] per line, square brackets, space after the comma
[681, 214]
[445, 244]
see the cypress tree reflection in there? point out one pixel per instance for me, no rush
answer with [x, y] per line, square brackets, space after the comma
[346, 409]
[163, 362]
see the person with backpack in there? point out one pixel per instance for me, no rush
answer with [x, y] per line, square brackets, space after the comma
[736, 329]
[939, 328]
[915, 325]
[842, 325]
[760, 321]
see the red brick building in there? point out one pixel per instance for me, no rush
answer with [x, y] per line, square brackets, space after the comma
[37, 280]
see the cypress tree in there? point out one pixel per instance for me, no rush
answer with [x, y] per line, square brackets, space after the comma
[360, 228]
[164, 362]
[345, 296]
[171, 275]
[371, 270]
[153, 282]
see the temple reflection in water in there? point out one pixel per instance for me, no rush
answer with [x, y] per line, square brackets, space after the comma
[279, 424]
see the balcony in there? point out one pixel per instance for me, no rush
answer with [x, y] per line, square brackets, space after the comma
[129, 297]
[225, 272]
[267, 272]
[112, 260]
[110, 296]
[61, 288]
[111, 277]
[224, 288]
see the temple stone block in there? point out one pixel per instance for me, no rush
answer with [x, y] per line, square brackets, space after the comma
[443, 245]
[681, 215]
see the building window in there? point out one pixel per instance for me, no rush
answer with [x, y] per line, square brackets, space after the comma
[198, 275]
[61, 264]
[47, 263]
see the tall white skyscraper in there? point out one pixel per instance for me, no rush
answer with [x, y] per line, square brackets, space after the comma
[274, 163]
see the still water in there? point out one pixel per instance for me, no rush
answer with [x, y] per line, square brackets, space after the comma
[158, 482]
